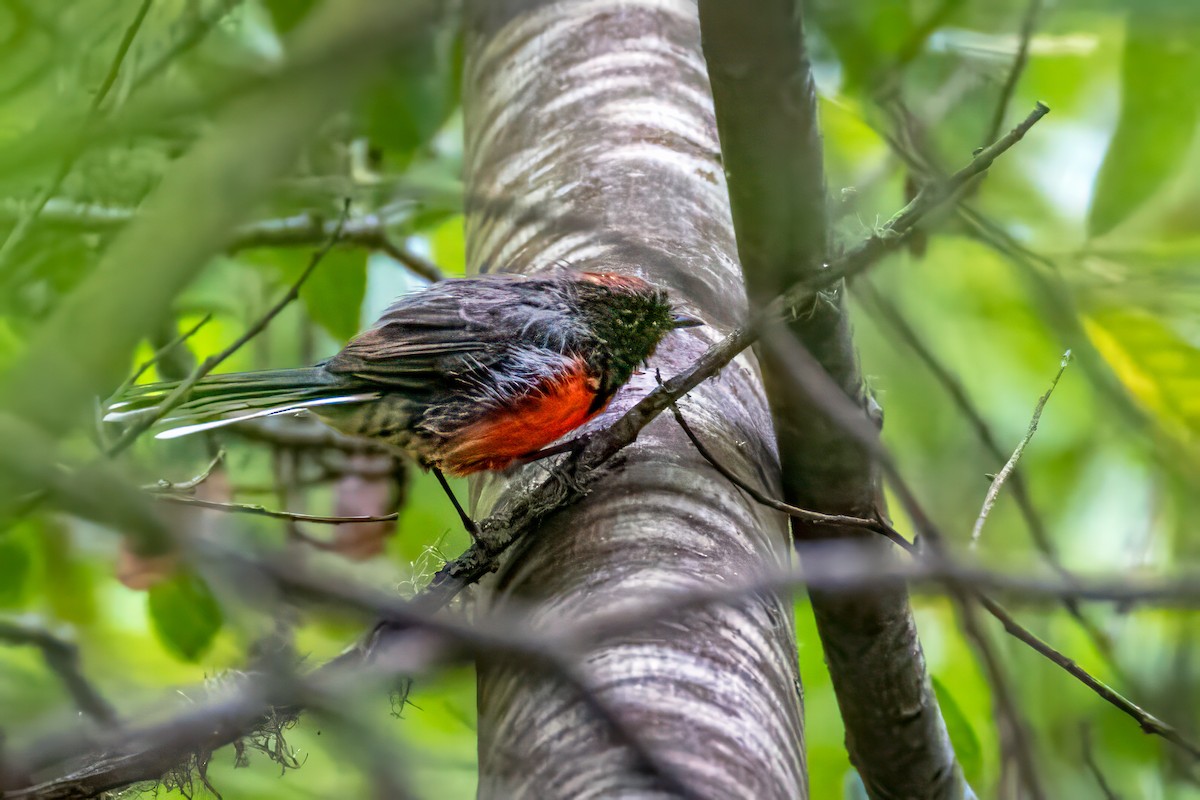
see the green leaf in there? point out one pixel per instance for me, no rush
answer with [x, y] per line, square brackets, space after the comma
[866, 36]
[962, 734]
[417, 93]
[1160, 103]
[16, 564]
[334, 292]
[185, 615]
[287, 14]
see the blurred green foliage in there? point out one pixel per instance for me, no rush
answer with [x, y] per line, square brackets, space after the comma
[1104, 188]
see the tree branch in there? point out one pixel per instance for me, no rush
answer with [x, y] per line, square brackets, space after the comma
[993, 491]
[136, 753]
[300, 230]
[254, 510]
[62, 657]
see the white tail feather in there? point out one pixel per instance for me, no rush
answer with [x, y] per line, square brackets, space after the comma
[186, 430]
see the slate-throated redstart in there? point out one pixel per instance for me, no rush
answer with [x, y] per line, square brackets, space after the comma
[465, 375]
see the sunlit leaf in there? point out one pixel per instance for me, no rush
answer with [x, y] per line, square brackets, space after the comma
[15, 566]
[1160, 100]
[448, 246]
[1155, 363]
[185, 615]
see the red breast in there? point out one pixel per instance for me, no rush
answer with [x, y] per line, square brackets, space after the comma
[524, 426]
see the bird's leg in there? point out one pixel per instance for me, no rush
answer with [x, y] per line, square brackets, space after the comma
[467, 522]
[572, 445]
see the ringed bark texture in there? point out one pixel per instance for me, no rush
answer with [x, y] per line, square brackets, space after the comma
[591, 141]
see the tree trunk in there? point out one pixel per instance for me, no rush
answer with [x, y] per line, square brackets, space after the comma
[766, 107]
[591, 140]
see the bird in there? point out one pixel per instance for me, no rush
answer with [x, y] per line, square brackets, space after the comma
[465, 375]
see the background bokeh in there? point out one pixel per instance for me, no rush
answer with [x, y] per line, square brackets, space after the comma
[1090, 226]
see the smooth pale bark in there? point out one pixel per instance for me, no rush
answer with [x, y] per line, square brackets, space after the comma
[591, 140]
[767, 114]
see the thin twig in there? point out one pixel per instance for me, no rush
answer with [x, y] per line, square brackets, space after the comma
[882, 308]
[163, 486]
[180, 393]
[1015, 735]
[1147, 721]
[62, 658]
[940, 191]
[795, 512]
[993, 491]
[260, 511]
[1028, 23]
[1089, 758]
[812, 379]
[160, 354]
[25, 224]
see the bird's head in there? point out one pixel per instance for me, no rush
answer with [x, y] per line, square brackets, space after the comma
[628, 317]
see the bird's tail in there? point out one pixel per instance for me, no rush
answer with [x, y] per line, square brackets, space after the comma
[220, 400]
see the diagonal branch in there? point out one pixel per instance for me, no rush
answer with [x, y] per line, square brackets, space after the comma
[62, 657]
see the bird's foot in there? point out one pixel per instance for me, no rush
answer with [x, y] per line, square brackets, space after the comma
[573, 446]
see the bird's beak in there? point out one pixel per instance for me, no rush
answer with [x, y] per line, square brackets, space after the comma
[686, 321]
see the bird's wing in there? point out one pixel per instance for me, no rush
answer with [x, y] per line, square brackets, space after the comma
[424, 339]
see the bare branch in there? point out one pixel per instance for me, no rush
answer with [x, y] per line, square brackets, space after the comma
[804, 515]
[191, 483]
[255, 510]
[62, 657]
[940, 191]
[1089, 758]
[1028, 23]
[993, 491]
